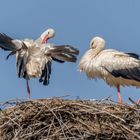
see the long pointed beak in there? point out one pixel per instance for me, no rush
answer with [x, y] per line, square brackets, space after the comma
[45, 39]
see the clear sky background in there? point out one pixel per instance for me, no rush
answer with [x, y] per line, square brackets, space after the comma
[75, 22]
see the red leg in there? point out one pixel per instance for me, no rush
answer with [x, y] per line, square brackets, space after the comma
[119, 95]
[28, 88]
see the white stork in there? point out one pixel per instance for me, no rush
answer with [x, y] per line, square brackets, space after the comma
[114, 67]
[34, 58]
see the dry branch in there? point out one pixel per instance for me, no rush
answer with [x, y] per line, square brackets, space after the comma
[59, 119]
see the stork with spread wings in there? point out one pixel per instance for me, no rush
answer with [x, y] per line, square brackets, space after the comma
[34, 58]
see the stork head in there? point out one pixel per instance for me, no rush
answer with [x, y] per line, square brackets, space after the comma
[49, 33]
[97, 42]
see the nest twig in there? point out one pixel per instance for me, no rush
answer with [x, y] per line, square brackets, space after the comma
[59, 119]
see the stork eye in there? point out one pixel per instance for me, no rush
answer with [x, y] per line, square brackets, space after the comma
[48, 32]
[92, 43]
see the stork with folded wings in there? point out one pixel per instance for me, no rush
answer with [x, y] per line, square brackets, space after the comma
[114, 67]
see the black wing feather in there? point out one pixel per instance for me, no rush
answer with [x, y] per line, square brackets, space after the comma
[136, 56]
[46, 72]
[6, 42]
[131, 74]
[57, 60]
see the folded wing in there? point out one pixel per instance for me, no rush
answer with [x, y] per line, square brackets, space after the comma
[125, 65]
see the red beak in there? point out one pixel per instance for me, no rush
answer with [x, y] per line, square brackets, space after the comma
[45, 39]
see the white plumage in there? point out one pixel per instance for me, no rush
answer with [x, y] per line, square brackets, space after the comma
[114, 67]
[34, 58]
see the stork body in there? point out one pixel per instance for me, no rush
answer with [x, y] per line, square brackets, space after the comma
[34, 58]
[114, 67]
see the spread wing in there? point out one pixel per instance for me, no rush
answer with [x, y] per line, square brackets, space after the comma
[62, 53]
[9, 44]
[59, 54]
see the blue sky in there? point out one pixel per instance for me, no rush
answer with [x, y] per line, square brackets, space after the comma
[75, 22]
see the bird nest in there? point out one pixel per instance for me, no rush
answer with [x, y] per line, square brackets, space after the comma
[61, 119]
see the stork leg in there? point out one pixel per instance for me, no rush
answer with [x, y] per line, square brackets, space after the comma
[119, 95]
[28, 88]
